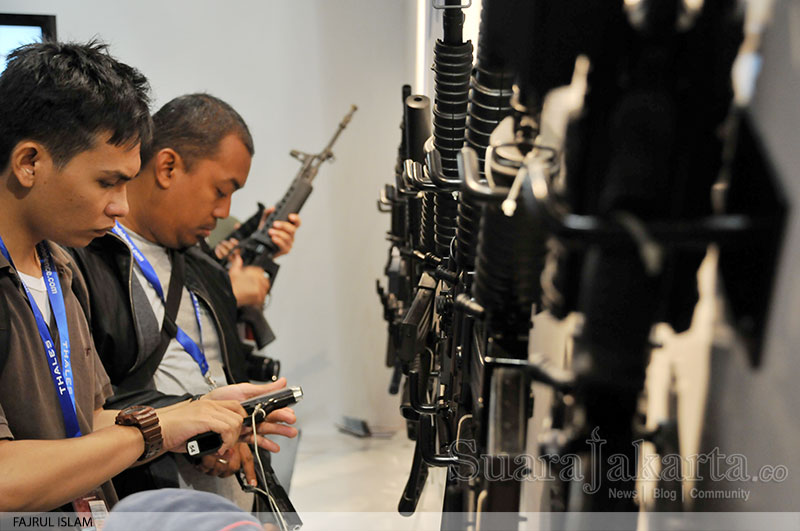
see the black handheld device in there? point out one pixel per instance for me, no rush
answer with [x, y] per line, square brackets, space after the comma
[263, 405]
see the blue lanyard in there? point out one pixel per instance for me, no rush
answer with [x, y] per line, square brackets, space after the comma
[62, 376]
[188, 344]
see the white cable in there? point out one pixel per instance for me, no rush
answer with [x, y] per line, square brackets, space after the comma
[272, 503]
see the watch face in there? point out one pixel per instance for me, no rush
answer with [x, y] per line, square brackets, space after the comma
[133, 410]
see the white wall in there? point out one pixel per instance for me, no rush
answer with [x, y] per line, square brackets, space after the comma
[292, 69]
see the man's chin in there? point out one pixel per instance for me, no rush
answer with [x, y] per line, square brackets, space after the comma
[200, 235]
[185, 242]
[76, 241]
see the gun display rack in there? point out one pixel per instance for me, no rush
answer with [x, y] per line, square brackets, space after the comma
[491, 224]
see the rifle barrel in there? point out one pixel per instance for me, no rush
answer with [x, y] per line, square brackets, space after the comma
[325, 154]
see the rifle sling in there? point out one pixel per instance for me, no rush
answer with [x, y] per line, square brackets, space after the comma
[140, 377]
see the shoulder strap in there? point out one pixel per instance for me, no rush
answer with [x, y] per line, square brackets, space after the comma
[139, 378]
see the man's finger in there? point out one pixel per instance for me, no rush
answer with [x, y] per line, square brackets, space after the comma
[282, 241]
[220, 467]
[221, 250]
[272, 428]
[282, 415]
[237, 264]
[248, 465]
[218, 464]
[269, 445]
[234, 462]
[225, 247]
[263, 442]
[280, 237]
[264, 216]
[283, 226]
[247, 390]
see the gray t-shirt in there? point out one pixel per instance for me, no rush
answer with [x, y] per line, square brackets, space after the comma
[178, 372]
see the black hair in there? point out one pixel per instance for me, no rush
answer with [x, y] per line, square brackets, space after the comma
[194, 125]
[65, 94]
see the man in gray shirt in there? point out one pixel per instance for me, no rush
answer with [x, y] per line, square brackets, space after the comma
[200, 155]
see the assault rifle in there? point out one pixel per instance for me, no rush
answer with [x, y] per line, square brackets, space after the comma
[396, 296]
[257, 247]
[248, 227]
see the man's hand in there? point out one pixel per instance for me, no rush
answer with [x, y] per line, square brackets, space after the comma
[238, 457]
[225, 247]
[183, 422]
[282, 233]
[250, 284]
[275, 423]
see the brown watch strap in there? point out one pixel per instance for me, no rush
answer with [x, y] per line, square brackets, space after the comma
[146, 419]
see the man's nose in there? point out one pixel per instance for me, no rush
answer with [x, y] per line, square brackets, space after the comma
[118, 206]
[223, 208]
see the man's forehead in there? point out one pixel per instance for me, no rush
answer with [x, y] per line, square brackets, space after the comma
[123, 159]
[234, 159]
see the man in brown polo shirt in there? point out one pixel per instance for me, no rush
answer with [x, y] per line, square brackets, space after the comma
[71, 123]
[23, 385]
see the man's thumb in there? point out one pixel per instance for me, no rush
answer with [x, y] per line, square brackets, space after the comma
[236, 262]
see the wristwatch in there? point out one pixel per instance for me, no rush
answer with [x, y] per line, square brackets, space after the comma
[146, 419]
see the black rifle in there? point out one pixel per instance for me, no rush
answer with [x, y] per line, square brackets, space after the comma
[257, 247]
[396, 297]
[248, 227]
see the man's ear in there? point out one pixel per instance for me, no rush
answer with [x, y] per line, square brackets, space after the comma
[165, 165]
[26, 159]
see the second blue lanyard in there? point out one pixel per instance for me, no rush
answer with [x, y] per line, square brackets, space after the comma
[188, 344]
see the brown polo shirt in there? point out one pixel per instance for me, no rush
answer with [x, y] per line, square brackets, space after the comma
[29, 406]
